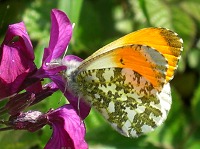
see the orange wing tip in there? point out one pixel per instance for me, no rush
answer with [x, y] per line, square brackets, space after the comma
[172, 51]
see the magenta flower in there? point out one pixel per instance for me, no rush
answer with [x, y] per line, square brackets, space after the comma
[16, 62]
[61, 31]
[18, 72]
[68, 129]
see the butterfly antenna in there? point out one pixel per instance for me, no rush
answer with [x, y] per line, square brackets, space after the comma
[79, 113]
[65, 52]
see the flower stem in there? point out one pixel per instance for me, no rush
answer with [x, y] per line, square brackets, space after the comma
[6, 128]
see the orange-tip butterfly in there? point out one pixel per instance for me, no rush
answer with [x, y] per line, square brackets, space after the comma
[127, 81]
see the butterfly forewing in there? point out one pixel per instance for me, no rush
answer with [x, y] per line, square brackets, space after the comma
[166, 42]
[142, 59]
[126, 99]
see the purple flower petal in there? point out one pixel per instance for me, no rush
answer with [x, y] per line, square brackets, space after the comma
[68, 129]
[61, 32]
[14, 65]
[24, 43]
[79, 105]
[68, 58]
[16, 61]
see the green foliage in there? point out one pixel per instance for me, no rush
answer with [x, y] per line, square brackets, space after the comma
[97, 23]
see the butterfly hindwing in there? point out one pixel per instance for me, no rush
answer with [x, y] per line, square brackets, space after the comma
[125, 98]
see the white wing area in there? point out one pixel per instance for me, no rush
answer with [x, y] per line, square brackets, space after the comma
[126, 99]
[165, 104]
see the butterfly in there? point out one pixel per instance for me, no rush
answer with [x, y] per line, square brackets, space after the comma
[127, 81]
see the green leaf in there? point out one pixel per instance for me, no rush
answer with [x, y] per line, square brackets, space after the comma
[193, 59]
[19, 139]
[192, 7]
[158, 13]
[37, 20]
[185, 27]
[196, 104]
[71, 8]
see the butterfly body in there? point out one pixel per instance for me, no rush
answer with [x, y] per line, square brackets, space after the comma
[127, 81]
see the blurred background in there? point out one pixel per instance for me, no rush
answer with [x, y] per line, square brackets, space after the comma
[99, 22]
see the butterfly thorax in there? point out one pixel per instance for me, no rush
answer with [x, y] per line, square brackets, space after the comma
[70, 75]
